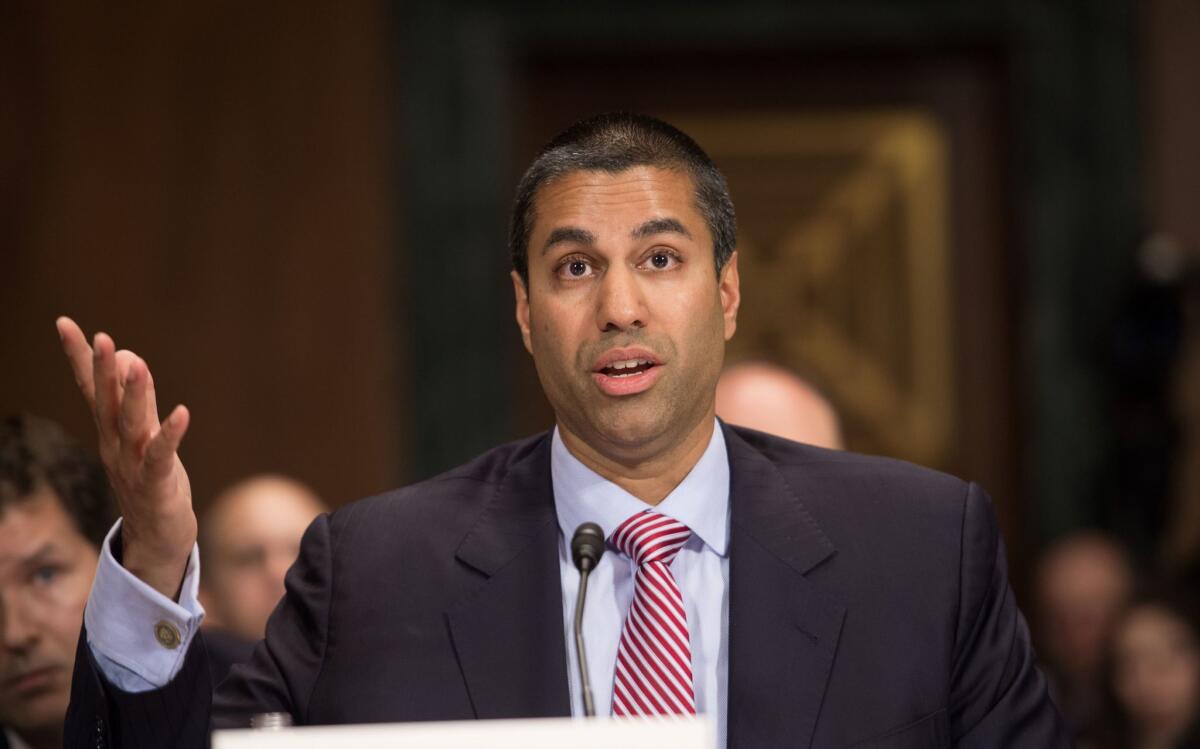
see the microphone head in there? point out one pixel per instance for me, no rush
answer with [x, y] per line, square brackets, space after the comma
[587, 546]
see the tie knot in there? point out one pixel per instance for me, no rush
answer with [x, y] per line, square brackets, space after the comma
[650, 537]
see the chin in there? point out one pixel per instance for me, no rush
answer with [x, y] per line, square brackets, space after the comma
[41, 710]
[632, 431]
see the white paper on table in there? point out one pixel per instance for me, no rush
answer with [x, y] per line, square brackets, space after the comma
[541, 733]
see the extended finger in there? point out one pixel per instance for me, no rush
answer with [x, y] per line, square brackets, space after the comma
[108, 389]
[160, 453]
[79, 354]
[132, 420]
[151, 398]
[124, 358]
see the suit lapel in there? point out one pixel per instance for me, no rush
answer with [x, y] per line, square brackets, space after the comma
[508, 634]
[783, 630]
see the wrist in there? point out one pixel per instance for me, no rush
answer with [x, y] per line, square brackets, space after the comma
[164, 572]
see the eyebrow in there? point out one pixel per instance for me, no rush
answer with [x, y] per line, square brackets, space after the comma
[45, 551]
[568, 234]
[575, 235]
[42, 554]
[660, 226]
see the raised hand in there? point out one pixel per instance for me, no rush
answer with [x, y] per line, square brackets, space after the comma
[140, 455]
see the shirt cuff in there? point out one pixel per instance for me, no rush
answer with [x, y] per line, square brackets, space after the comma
[134, 627]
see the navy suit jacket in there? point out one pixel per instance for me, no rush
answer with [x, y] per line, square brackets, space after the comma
[868, 606]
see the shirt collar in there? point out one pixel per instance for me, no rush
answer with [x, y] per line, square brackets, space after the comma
[700, 501]
[15, 741]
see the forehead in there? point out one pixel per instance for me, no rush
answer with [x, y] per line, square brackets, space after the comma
[260, 510]
[28, 524]
[632, 195]
[1084, 566]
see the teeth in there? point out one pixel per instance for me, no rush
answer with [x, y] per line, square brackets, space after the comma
[627, 364]
[617, 366]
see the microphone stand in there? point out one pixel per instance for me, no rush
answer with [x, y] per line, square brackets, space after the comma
[589, 709]
[587, 546]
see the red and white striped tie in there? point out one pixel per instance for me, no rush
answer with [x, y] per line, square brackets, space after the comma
[654, 657]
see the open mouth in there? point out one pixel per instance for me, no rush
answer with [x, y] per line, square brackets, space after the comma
[627, 372]
[626, 368]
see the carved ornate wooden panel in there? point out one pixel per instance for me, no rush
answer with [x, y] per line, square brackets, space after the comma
[844, 255]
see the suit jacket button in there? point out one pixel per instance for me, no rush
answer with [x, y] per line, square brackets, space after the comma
[167, 634]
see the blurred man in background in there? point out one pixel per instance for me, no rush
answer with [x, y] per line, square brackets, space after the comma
[55, 508]
[771, 399]
[1083, 582]
[249, 536]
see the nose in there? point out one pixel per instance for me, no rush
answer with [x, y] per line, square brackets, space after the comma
[18, 625]
[621, 304]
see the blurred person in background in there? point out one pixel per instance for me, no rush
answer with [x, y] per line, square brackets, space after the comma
[771, 399]
[249, 536]
[1154, 675]
[1082, 583]
[55, 509]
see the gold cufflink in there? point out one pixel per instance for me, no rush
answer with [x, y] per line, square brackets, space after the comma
[167, 635]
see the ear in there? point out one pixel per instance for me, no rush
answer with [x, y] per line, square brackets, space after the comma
[522, 296]
[731, 295]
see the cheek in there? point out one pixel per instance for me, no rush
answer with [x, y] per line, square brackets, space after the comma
[77, 586]
[554, 334]
[65, 616]
[700, 316]
[1187, 680]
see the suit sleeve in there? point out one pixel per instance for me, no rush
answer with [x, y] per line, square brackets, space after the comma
[102, 715]
[280, 676]
[998, 696]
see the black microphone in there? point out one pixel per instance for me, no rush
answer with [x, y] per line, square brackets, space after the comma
[587, 546]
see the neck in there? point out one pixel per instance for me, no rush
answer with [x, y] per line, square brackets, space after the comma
[649, 477]
[46, 737]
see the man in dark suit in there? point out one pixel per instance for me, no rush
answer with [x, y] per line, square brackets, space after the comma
[799, 596]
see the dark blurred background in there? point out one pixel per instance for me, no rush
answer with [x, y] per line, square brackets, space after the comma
[973, 224]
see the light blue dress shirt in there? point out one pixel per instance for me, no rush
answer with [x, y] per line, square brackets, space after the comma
[701, 502]
[14, 741]
[122, 611]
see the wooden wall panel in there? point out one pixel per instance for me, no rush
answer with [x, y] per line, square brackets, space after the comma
[1171, 45]
[210, 182]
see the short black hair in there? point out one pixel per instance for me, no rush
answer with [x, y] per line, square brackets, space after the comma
[36, 453]
[615, 142]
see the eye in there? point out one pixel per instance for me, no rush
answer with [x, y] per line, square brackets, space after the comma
[46, 574]
[574, 267]
[663, 259]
